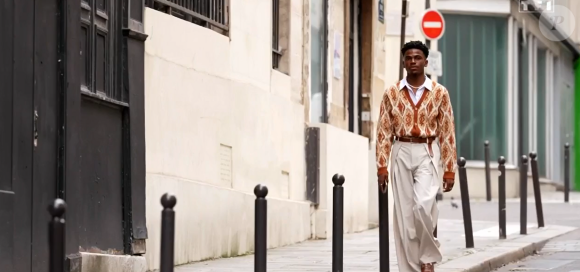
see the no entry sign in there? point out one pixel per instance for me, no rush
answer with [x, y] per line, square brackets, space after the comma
[432, 24]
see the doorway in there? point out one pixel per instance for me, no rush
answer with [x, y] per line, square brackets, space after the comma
[355, 71]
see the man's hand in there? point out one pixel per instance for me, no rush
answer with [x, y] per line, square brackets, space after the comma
[448, 185]
[383, 181]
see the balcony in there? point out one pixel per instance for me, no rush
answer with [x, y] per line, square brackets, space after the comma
[212, 14]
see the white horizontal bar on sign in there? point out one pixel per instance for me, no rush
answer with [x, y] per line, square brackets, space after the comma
[432, 24]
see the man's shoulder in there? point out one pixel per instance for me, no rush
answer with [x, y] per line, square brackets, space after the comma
[395, 85]
[391, 90]
[438, 87]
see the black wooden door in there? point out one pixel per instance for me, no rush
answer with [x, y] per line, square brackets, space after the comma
[102, 106]
[7, 199]
[104, 175]
[15, 138]
[46, 124]
[66, 128]
[29, 106]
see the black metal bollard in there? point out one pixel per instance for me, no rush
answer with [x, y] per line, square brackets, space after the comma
[168, 202]
[384, 262]
[537, 192]
[56, 237]
[567, 172]
[261, 228]
[501, 197]
[524, 195]
[487, 172]
[467, 224]
[337, 223]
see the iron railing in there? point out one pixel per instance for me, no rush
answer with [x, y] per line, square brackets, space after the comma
[276, 54]
[213, 14]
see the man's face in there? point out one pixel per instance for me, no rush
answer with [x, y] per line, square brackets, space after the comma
[415, 62]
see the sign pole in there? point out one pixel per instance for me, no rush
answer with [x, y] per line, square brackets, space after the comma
[433, 28]
[439, 196]
[403, 25]
[428, 43]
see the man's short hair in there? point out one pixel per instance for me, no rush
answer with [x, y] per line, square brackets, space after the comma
[415, 45]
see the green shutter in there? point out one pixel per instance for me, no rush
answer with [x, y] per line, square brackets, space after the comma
[474, 50]
[542, 114]
[524, 98]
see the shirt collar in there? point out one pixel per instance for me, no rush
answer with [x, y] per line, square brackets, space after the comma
[427, 84]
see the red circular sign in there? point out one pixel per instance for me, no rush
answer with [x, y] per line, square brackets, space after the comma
[432, 24]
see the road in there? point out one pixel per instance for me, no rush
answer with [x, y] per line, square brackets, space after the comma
[561, 254]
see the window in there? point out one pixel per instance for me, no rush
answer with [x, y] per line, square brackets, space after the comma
[533, 99]
[318, 67]
[99, 43]
[276, 54]
[212, 14]
[564, 103]
[280, 35]
[474, 50]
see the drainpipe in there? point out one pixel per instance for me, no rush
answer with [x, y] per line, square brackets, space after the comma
[439, 196]
[428, 41]
[325, 61]
[576, 145]
[403, 25]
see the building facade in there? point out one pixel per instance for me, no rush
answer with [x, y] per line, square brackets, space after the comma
[511, 84]
[240, 93]
[72, 117]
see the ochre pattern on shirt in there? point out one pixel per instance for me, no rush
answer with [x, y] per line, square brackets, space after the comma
[431, 117]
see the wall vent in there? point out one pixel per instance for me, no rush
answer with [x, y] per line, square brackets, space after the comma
[225, 158]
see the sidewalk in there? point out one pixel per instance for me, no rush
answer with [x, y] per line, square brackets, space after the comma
[547, 197]
[556, 212]
[361, 251]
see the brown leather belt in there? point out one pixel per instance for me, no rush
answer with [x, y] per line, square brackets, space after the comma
[419, 140]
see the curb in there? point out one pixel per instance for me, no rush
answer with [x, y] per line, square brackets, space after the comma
[506, 258]
[495, 257]
[97, 262]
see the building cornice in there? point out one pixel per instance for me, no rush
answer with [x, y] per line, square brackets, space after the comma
[566, 41]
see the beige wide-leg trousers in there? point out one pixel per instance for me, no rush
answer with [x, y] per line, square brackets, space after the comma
[415, 181]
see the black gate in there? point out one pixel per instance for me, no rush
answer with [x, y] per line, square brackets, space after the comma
[71, 126]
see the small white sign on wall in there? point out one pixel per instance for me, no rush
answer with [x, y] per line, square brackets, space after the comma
[435, 66]
[393, 24]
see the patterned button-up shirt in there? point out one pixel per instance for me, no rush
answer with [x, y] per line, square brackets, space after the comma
[416, 95]
[431, 116]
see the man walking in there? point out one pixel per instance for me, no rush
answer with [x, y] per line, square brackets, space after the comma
[415, 112]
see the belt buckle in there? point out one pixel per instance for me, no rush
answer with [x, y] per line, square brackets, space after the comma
[411, 140]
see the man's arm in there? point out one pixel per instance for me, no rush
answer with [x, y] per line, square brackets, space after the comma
[384, 136]
[446, 128]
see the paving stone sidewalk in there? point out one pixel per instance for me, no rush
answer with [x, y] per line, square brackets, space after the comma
[556, 212]
[361, 251]
[547, 198]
